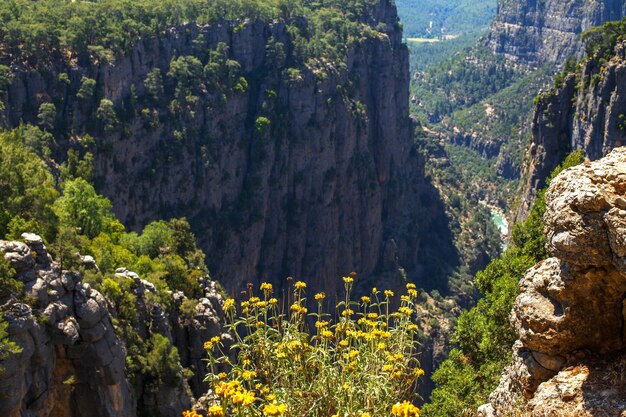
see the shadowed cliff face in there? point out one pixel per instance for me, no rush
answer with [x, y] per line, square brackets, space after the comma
[309, 173]
[534, 32]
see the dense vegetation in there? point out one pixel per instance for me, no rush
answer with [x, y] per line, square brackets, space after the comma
[60, 204]
[483, 335]
[44, 31]
[364, 351]
[457, 17]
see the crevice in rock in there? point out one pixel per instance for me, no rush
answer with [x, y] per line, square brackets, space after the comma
[624, 321]
[558, 307]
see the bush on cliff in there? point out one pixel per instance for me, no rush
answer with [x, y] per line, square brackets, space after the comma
[483, 335]
[358, 361]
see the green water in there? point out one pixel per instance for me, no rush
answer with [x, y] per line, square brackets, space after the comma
[500, 222]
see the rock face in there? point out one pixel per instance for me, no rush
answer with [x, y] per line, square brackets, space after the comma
[332, 184]
[568, 118]
[571, 311]
[533, 33]
[73, 357]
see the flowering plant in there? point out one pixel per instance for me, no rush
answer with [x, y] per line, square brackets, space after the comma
[359, 361]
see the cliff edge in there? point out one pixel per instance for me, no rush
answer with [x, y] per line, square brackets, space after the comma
[570, 314]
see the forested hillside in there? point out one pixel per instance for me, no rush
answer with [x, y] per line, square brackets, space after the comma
[263, 123]
[272, 135]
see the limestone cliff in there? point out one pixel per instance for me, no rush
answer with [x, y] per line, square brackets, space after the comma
[584, 113]
[532, 32]
[74, 353]
[300, 169]
[571, 311]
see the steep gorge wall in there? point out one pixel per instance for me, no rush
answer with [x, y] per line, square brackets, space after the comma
[332, 184]
[585, 113]
[536, 32]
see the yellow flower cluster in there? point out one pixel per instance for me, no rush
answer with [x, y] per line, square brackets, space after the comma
[229, 304]
[208, 345]
[191, 413]
[274, 409]
[283, 368]
[298, 308]
[216, 411]
[405, 409]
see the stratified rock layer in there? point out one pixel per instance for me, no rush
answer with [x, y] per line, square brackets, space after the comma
[571, 311]
[533, 33]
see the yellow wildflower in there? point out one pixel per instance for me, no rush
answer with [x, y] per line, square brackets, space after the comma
[229, 304]
[343, 343]
[320, 296]
[372, 316]
[348, 280]
[412, 293]
[321, 324]
[375, 291]
[244, 397]
[191, 413]
[353, 354]
[222, 375]
[274, 409]
[347, 312]
[405, 409]
[266, 287]
[300, 285]
[216, 411]
[366, 299]
[248, 375]
[405, 310]
[410, 286]
[273, 301]
[327, 334]
[388, 293]
[208, 345]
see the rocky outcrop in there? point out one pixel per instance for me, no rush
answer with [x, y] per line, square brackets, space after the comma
[532, 33]
[571, 312]
[586, 112]
[73, 357]
[329, 182]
